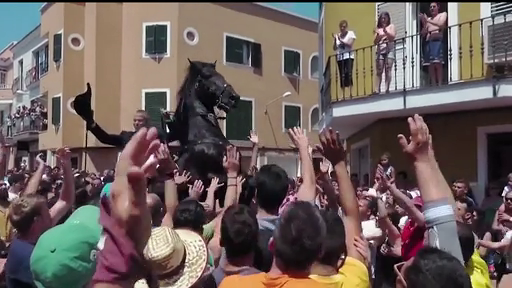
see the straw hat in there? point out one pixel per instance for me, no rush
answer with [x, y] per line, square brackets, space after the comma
[177, 257]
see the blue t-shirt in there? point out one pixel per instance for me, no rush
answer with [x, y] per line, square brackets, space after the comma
[17, 267]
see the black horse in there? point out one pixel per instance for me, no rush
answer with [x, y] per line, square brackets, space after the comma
[195, 124]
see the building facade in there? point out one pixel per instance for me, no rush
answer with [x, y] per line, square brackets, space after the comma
[135, 57]
[468, 114]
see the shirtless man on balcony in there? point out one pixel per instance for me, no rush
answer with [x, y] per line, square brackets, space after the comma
[433, 28]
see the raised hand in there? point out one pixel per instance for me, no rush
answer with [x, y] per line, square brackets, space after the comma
[194, 191]
[420, 140]
[231, 160]
[214, 185]
[298, 138]
[128, 191]
[253, 137]
[324, 166]
[181, 178]
[39, 160]
[331, 146]
[166, 164]
[63, 155]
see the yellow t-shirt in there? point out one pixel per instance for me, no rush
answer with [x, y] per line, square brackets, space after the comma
[263, 280]
[478, 271]
[352, 274]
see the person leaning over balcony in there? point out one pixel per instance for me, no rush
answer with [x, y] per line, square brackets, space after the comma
[433, 32]
[343, 43]
[385, 52]
[82, 106]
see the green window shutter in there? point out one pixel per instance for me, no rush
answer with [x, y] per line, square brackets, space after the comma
[57, 47]
[235, 50]
[297, 63]
[239, 121]
[153, 101]
[56, 109]
[291, 116]
[161, 39]
[150, 39]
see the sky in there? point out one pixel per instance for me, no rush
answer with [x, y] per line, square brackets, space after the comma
[306, 9]
[17, 19]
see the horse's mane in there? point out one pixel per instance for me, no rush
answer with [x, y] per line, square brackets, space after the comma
[191, 75]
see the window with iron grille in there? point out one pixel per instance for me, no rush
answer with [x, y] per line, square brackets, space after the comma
[292, 62]
[153, 102]
[239, 122]
[292, 116]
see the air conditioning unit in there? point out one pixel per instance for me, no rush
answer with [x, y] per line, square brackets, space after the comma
[497, 39]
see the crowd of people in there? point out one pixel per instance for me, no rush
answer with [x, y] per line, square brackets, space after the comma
[33, 118]
[432, 29]
[146, 224]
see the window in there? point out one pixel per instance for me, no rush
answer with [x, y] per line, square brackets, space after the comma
[20, 75]
[314, 66]
[292, 116]
[3, 78]
[242, 51]
[240, 121]
[314, 117]
[292, 62]
[42, 61]
[157, 37]
[152, 101]
[56, 109]
[500, 8]
[57, 47]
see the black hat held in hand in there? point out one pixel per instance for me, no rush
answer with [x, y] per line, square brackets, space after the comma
[82, 105]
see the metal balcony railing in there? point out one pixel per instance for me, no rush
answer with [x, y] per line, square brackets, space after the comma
[32, 76]
[5, 86]
[16, 84]
[479, 49]
[25, 124]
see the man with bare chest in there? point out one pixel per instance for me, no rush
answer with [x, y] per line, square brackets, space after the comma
[432, 30]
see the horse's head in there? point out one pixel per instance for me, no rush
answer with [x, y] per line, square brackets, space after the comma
[213, 89]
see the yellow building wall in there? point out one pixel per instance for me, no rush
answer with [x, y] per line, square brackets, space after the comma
[470, 42]
[456, 153]
[361, 18]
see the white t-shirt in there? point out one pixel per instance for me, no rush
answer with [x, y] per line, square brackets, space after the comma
[506, 190]
[343, 51]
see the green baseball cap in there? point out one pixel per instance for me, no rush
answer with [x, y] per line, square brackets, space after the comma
[105, 192]
[65, 255]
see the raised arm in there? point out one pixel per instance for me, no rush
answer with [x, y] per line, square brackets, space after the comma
[306, 191]
[231, 164]
[332, 148]
[254, 156]
[67, 194]
[104, 137]
[33, 182]
[405, 203]
[437, 195]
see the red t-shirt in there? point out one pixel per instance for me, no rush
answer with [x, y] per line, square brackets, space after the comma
[412, 239]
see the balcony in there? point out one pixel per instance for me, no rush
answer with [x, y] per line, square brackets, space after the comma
[25, 128]
[478, 50]
[32, 77]
[16, 85]
[5, 86]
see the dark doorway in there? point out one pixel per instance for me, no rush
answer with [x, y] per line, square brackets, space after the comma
[499, 157]
[424, 7]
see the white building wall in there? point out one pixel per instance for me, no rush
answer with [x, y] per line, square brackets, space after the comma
[24, 49]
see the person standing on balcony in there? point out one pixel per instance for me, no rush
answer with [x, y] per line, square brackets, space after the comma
[8, 123]
[385, 53]
[432, 30]
[343, 43]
